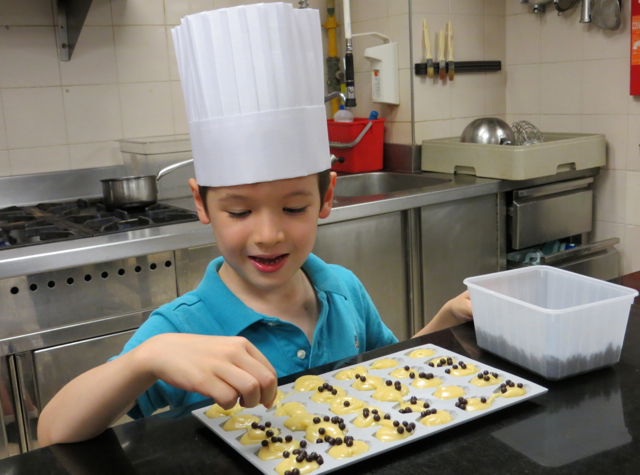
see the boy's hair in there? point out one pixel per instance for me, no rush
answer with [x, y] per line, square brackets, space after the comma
[324, 178]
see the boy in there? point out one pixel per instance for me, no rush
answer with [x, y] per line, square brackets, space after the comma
[268, 308]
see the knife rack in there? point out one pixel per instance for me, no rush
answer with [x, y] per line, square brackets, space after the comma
[462, 67]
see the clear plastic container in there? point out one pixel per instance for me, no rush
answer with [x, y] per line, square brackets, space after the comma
[343, 115]
[551, 321]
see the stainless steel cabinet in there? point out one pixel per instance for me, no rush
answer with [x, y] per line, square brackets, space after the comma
[374, 249]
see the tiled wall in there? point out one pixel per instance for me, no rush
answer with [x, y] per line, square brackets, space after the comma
[122, 81]
[566, 76]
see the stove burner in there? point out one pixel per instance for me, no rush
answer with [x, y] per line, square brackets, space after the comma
[60, 209]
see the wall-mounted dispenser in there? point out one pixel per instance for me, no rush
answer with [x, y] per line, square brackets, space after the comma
[384, 69]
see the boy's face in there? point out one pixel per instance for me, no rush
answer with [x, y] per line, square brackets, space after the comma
[265, 231]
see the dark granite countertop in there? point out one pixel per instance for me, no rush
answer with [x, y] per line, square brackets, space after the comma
[585, 424]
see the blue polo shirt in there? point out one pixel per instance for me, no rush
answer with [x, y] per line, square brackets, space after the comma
[348, 324]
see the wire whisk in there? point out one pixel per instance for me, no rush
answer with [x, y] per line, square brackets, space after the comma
[526, 133]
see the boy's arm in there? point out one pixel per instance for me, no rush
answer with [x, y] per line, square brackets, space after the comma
[223, 368]
[454, 312]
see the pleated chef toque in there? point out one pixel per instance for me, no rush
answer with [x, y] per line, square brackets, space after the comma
[253, 85]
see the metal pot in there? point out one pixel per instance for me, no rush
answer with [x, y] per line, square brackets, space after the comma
[135, 191]
[488, 130]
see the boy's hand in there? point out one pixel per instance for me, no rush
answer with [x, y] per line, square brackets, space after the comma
[220, 367]
[454, 312]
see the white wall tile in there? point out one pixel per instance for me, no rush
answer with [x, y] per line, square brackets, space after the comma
[517, 8]
[468, 95]
[141, 53]
[28, 56]
[634, 105]
[523, 89]
[523, 39]
[610, 196]
[180, 121]
[380, 25]
[571, 124]
[370, 9]
[397, 7]
[631, 257]
[605, 86]
[466, 7]
[26, 13]
[3, 133]
[433, 129]
[602, 44]
[495, 38]
[27, 161]
[431, 99]
[535, 119]
[146, 109]
[92, 113]
[137, 12]
[175, 10]
[633, 143]
[458, 125]
[440, 7]
[561, 37]
[99, 14]
[614, 127]
[399, 33]
[89, 155]
[5, 164]
[564, 96]
[400, 132]
[93, 60]
[495, 93]
[34, 117]
[604, 230]
[468, 37]
[495, 7]
[633, 199]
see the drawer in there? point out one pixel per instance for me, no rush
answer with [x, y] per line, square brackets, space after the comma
[550, 212]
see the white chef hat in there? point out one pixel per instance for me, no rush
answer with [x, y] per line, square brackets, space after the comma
[253, 85]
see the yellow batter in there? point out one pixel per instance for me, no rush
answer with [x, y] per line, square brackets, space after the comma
[314, 433]
[439, 418]
[242, 421]
[457, 370]
[352, 405]
[479, 404]
[402, 373]
[487, 379]
[369, 384]
[274, 450]
[514, 391]
[416, 405]
[308, 383]
[448, 361]
[389, 433]
[255, 436]
[343, 451]
[421, 353]
[422, 383]
[216, 411]
[290, 409]
[351, 373]
[390, 393]
[327, 396]
[384, 364]
[449, 392]
[370, 420]
[299, 418]
[290, 463]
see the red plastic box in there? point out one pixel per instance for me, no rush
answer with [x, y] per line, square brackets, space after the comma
[366, 156]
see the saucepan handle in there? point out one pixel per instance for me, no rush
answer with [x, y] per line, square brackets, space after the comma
[170, 168]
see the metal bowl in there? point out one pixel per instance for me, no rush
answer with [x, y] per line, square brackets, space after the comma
[488, 130]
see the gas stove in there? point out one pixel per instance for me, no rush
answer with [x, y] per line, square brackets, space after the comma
[51, 222]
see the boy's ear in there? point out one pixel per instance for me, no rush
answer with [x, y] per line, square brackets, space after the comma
[200, 208]
[327, 203]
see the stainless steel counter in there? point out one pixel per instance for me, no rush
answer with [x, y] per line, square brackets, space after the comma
[46, 257]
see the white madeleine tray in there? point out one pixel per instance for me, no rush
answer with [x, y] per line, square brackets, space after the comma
[367, 435]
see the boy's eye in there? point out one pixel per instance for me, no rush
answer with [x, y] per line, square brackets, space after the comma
[241, 214]
[295, 210]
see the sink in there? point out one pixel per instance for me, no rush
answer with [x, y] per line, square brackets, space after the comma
[378, 183]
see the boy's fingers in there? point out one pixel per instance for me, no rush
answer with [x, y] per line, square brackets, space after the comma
[221, 392]
[268, 381]
[243, 383]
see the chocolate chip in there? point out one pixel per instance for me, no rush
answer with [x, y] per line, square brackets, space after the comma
[269, 433]
[412, 425]
[495, 375]
[455, 366]
[447, 371]
[313, 455]
[318, 441]
[412, 375]
[422, 375]
[297, 451]
[365, 413]
[507, 382]
[400, 430]
[405, 423]
[321, 431]
[443, 361]
[424, 413]
[329, 439]
[303, 443]
[342, 426]
[316, 420]
[483, 400]
[430, 376]
[274, 439]
[503, 385]
[425, 405]
[286, 454]
[357, 375]
[520, 385]
[288, 438]
[330, 388]
[300, 458]
[332, 442]
[334, 420]
[407, 409]
[431, 364]
[374, 411]
[460, 399]
[401, 411]
[334, 392]
[389, 382]
[338, 441]
[320, 460]
[487, 378]
[349, 443]
[267, 424]
[434, 411]
[511, 384]
[503, 390]
[457, 404]
[265, 443]
[485, 372]
[409, 429]
[406, 368]
[480, 376]
[296, 471]
[363, 378]
[387, 416]
[376, 417]
[413, 400]
[449, 360]
[325, 385]
[320, 389]
[287, 472]
[261, 427]
[396, 423]
[254, 425]
[462, 365]
[326, 418]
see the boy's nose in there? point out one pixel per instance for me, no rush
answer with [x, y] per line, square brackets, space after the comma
[268, 231]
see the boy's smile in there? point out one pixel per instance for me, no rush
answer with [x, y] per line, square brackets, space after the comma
[265, 231]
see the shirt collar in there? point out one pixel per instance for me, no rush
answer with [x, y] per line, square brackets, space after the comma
[233, 315]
